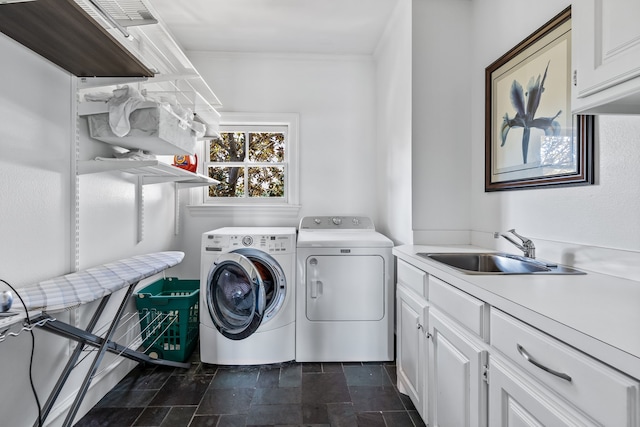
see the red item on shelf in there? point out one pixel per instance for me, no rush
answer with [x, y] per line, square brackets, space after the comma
[189, 163]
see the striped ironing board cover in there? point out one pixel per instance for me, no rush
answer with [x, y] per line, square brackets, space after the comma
[72, 290]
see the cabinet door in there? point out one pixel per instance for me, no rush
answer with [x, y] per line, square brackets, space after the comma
[514, 401]
[604, 394]
[457, 391]
[606, 59]
[412, 348]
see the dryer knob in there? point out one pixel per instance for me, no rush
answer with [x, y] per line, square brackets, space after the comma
[247, 240]
[336, 220]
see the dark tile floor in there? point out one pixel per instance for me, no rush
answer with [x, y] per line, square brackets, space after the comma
[288, 394]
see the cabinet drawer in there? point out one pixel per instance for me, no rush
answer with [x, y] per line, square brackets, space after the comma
[467, 310]
[611, 398]
[412, 278]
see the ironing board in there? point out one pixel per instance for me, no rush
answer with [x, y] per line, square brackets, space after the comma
[72, 290]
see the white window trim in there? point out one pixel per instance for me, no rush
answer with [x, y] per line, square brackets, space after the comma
[197, 206]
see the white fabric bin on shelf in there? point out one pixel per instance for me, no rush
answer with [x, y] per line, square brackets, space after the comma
[155, 130]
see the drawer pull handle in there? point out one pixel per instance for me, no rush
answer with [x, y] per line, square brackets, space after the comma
[534, 362]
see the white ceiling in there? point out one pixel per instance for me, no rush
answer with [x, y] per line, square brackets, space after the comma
[281, 26]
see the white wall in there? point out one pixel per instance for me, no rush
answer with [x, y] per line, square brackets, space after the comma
[393, 101]
[335, 99]
[37, 135]
[108, 215]
[441, 114]
[34, 166]
[34, 213]
[594, 227]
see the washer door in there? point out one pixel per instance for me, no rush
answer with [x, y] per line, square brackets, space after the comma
[235, 296]
[273, 279]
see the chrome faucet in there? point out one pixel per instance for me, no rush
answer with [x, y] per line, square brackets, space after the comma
[527, 245]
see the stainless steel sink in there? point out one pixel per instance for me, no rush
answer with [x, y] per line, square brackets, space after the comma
[497, 263]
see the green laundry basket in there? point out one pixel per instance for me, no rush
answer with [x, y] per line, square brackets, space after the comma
[168, 310]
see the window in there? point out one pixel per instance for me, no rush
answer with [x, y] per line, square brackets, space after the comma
[249, 162]
[255, 160]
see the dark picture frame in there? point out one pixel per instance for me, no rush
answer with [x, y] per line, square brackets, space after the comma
[532, 139]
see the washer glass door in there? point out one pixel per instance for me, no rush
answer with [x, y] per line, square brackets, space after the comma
[235, 296]
[273, 279]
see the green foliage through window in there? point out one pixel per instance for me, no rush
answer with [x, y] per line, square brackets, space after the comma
[248, 164]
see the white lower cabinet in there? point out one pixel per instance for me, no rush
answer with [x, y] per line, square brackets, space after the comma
[571, 378]
[457, 390]
[515, 401]
[465, 363]
[412, 353]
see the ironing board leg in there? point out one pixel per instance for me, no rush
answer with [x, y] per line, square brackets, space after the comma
[88, 339]
[73, 410]
[72, 362]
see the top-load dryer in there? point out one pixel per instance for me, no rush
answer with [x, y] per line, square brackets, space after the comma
[345, 299]
[247, 295]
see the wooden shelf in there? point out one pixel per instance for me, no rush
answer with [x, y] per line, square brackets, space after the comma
[62, 32]
[151, 171]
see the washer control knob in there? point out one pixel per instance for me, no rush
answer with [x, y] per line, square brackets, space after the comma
[336, 220]
[247, 240]
[317, 221]
[355, 221]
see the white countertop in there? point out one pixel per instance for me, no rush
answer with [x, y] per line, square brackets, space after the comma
[595, 313]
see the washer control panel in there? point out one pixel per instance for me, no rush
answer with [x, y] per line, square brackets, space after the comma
[336, 223]
[271, 243]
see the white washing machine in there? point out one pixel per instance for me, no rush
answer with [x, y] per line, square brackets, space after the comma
[345, 300]
[247, 295]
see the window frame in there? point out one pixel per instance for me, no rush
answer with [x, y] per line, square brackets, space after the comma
[230, 121]
[247, 164]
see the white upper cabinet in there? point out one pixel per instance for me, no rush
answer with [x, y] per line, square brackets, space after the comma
[606, 57]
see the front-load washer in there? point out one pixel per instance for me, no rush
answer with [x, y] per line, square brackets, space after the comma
[345, 300]
[247, 295]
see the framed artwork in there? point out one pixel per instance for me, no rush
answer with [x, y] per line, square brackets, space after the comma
[531, 137]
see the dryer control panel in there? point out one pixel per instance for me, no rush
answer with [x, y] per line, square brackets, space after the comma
[336, 223]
